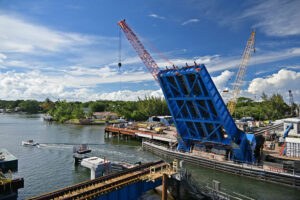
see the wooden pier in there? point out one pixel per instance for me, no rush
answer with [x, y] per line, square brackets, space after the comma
[115, 131]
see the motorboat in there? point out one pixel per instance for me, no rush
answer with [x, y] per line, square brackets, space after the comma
[30, 143]
[82, 149]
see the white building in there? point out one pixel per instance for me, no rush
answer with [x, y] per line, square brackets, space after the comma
[292, 147]
[295, 130]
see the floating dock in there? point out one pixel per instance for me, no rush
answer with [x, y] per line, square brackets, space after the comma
[10, 162]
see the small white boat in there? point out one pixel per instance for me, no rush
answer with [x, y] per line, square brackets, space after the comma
[30, 143]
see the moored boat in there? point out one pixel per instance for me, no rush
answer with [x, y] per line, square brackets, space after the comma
[82, 149]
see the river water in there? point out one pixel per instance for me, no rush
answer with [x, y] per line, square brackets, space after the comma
[51, 166]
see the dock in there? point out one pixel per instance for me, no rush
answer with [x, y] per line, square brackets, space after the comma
[115, 131]
[127, 184]
[10, 162]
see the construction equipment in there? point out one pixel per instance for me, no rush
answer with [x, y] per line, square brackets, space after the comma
[140, 49]
[198, 111]
[283, 149]
[241, 73]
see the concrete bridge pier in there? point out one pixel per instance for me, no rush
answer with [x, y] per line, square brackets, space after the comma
[97, 166]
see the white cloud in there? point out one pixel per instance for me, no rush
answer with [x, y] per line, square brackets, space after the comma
[2, 57]
[156, 16]
[190, 21]
[17, 35]
[222, 80]
[76, 84]
[219, 63]
[129, 95]
[80, 84]
[280, 82]
[276, 17]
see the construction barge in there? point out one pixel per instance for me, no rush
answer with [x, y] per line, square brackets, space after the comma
[273, 174]
[8, 161]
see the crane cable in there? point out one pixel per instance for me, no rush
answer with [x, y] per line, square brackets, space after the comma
[120, 48]
[120, 62]
[154, 49]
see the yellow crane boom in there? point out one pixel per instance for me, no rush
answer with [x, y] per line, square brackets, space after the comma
[241, 74]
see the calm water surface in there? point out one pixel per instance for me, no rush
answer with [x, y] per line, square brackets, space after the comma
[51, 166]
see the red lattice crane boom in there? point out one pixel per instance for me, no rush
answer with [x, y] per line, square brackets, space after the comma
[140, 49]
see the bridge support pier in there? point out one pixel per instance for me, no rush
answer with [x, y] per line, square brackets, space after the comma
[97, 166]
[164, 187]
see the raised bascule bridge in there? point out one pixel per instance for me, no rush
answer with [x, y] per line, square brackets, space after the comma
[200, 114]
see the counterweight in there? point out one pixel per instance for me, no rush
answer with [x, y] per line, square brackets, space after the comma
[241, 73]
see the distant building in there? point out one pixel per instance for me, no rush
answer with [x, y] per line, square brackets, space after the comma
[105, 115]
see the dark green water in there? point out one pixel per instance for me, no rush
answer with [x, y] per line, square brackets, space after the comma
[51, 166]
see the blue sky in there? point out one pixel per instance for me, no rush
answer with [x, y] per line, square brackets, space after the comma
[69, 49]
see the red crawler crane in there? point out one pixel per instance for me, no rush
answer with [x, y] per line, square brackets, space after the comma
[140, 50]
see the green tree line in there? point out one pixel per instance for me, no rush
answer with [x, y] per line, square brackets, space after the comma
[270, 108]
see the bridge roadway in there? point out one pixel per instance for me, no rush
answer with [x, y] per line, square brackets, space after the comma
[127, 184]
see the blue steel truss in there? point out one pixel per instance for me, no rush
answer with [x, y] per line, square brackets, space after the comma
[199, 113]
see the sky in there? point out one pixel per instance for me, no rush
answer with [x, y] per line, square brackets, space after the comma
[69, 49]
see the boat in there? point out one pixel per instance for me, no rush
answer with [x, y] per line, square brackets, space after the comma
[48, 118]
[30, 143]
[82, 149]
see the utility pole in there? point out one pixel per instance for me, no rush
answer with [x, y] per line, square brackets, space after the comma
[164, 187]
[291, 103]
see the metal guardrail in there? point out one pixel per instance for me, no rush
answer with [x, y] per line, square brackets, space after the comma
[269, 128]
[68, 190]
